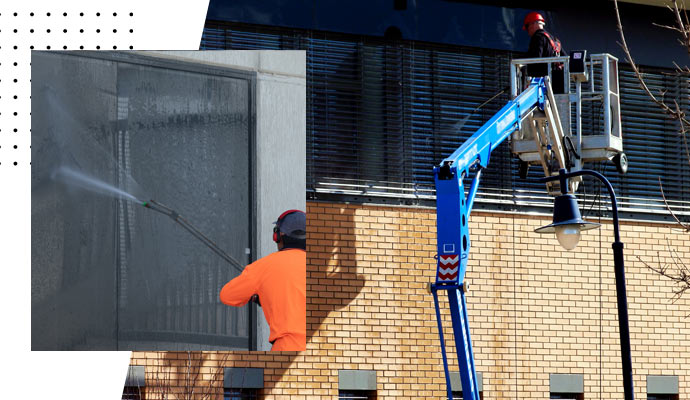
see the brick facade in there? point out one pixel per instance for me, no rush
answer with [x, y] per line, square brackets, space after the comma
[534, 308]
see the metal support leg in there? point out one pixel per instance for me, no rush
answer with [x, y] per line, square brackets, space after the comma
[449, 389]
[463, 343]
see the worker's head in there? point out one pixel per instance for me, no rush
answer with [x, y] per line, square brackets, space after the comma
[533, 22]
[290, 230]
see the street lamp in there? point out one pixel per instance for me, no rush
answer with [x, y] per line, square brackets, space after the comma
[567, 222]
[567, 225]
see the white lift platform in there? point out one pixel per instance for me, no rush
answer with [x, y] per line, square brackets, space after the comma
[590, 79]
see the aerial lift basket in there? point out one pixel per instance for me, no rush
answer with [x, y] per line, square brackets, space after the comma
[593, 80]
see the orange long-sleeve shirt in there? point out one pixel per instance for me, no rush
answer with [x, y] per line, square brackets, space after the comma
[280, 281]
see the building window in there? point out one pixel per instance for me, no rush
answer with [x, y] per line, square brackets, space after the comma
[356, 384]
[243, 383]
[241, 394]
[457, 395]
[356, 395]
[456, 385]
[662, 397]
[135, 383]
[662, 387]
[133, 393]
[567, 386]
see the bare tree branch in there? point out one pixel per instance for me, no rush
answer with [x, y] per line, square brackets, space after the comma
[677, 271]
[176, 377]
[678, 115]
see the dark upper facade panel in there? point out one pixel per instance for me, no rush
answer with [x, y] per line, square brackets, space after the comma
[381, 113]
[488, 24]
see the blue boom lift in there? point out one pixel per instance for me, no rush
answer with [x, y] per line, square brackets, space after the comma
[453, 212]
[539, 139]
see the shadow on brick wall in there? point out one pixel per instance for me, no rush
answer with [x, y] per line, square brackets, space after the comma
[333, 281]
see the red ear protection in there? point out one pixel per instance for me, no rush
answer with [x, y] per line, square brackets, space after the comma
[275, 233]
[276, 229]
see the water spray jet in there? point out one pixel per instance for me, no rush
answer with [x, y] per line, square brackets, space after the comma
[69, 176]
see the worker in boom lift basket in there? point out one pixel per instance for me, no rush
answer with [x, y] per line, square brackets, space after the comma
[277, 283]
[543, 44]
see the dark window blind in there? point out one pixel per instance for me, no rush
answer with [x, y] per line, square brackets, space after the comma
[381, 114]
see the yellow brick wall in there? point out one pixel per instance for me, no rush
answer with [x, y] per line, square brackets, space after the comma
[534, 310]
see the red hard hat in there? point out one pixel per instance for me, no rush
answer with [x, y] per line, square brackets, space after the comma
[532, 17]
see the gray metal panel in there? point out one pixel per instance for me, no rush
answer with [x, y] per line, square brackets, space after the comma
[244, 378]
[107, 273]
[189, 144]
[566, 383]
[456, 384]
[279, 164]
[356, 380]
[136, 376]
[662, 384]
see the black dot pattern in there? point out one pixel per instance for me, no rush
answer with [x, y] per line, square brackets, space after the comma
[62, 28]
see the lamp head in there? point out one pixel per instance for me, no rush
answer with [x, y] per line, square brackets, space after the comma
[567, 222]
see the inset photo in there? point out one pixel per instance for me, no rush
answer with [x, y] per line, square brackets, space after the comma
[168, 206]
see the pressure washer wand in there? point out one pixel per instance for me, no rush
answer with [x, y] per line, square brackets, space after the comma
[156, 206]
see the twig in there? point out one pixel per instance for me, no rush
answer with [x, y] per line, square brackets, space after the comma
[687, 151]
[685, 227]
[673, 28]
[681, 26]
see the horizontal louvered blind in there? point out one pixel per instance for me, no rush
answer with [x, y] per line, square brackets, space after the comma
[381, 114]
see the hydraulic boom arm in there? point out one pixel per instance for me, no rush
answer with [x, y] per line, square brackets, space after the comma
[452, 214]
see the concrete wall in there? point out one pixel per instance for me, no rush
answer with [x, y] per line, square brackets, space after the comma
[534, 309]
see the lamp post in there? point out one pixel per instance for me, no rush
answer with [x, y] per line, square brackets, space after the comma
[567, 225]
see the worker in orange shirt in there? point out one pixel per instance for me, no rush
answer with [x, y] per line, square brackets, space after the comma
[278, 283]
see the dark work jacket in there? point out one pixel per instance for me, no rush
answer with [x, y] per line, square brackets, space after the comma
[541, 46]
